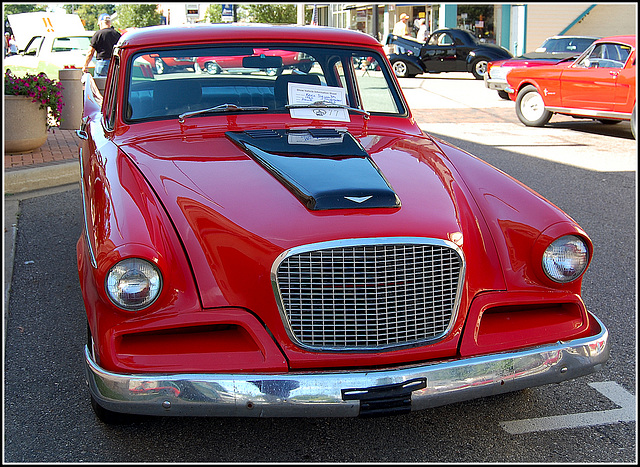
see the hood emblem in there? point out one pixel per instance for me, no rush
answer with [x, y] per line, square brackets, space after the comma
[358, 199]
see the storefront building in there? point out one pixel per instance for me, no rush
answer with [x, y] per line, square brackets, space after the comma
[520, 28]
[378, 20]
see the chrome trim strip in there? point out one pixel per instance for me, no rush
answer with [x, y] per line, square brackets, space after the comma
[590, 113]
[319, 393]
[366, 242]
[92, 255]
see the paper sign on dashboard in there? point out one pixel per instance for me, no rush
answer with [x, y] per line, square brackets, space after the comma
[310, 94]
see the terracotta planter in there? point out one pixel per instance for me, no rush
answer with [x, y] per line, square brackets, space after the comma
[25, 125]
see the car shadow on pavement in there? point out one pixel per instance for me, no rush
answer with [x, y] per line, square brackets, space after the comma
[617, 130]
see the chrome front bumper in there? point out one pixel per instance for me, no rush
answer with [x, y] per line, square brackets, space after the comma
[496, 84]
[345, 393]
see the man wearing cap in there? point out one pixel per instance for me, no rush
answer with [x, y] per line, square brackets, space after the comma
[400, 28]
[102, 44]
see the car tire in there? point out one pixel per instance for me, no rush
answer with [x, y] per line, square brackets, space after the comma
[634, 123]
[109, 417]
[273, 71]
[106, 416]
[530, 107]
[212, 68]
[479, 68]
[401, 69]
[304, 67]
[160, 67]
[504, 95]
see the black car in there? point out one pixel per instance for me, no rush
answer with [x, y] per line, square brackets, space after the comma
[445, 50]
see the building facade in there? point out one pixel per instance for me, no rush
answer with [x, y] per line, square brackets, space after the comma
[519, 28]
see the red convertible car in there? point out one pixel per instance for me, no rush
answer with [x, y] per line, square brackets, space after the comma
[295, 245]
[600, 84]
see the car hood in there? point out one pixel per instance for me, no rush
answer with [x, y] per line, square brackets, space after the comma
[235, 213]
[524, 62]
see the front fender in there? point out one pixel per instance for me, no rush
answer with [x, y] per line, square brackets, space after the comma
[487, 55]
[124, 218]
[414, 64]
[522, 223]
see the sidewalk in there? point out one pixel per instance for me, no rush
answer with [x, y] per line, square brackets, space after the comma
[54, 163]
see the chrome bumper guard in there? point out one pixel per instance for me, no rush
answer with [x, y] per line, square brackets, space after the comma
[346, 393]
[495, 84]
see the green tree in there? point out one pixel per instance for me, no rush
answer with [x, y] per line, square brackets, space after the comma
[214, 13]
[89, 13]
[272, 13]
[137, 15]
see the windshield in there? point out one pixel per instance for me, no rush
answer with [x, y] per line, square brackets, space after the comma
[66, 44]
[168, 83]
[574, 45]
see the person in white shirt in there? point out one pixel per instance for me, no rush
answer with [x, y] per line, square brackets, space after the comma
[422, 31]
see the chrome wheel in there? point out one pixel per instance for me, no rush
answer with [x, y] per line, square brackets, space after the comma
[530, 107]
[479, 68]
[212, 68]
[400, 69]
[159, 66]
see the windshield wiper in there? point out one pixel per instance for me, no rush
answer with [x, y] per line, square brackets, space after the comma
[328, 105]
[220, 108]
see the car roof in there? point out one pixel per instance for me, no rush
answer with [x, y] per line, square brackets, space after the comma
[236, 33]
[629, 40]
[574, 37]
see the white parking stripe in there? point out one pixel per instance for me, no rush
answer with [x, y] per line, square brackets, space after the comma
[610, 389]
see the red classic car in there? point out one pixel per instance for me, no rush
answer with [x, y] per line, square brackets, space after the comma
[295, 245]
[553, 50]
[290, 60]
[599, 84]
[163, 65]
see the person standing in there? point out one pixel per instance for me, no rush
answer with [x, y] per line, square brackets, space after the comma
[102, 44]
[422, 31]
[13, 45]
[400, 28]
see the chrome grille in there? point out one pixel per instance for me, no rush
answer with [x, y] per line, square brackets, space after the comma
[369, 293]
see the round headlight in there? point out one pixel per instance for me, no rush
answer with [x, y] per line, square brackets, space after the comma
[133, 284]
[565, 259]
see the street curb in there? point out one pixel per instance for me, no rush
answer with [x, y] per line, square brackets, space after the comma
[36, 178]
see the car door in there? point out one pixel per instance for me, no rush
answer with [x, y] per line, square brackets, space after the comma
[625, 97]
[591, 82]
[30, 58]
[439, 53]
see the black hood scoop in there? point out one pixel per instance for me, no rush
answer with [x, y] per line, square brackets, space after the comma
[324, 168]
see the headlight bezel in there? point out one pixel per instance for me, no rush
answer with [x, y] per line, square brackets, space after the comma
[564, 254]
[131, 266]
